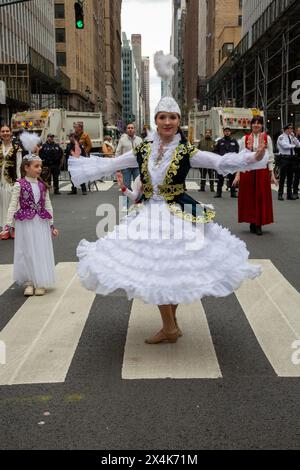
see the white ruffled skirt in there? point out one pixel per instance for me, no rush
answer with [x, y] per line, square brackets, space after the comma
[161, 259]
[5, 198]
[33, 253]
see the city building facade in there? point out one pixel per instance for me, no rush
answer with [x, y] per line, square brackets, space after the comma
[264, 72]
[223, 31]
[113, 46]
[80, 53]
[28, 56]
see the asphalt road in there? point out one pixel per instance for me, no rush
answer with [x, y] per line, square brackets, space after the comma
[249, 407]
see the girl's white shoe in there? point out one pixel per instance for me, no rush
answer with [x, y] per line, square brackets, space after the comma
[29, 291]
[40, 291]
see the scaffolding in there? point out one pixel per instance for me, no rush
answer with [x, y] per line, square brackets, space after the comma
[262, 76]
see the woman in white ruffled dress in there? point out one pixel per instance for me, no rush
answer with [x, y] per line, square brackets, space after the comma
[159, 253]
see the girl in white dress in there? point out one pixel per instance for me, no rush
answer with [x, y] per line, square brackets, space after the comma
[31, 210]
[189, 257]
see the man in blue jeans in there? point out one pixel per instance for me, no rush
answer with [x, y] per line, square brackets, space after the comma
[126, 143]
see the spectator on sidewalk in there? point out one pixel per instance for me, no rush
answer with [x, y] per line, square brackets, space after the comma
[207, 145]
[227, 144]
[69, 151]
[126, 143]
[287, 144]
[51, 155]
[83, 138]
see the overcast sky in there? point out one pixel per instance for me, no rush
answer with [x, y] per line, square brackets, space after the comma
[152, 19]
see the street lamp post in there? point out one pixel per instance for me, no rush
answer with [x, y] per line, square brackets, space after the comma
[88, 93]
[100, 103]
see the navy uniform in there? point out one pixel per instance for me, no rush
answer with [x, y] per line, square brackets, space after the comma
[286, 145]
[51, 154]
[223, 146]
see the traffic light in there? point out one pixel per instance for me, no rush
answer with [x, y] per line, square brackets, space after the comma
[79, 16]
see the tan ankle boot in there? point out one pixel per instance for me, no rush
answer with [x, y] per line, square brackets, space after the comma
[179, 330]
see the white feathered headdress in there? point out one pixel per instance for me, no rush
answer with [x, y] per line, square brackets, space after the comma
[29, 142]
[164, 65]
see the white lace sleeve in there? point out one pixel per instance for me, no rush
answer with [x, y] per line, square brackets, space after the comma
[14, 204]
[84, 169]
[48, 206]
[19, 161]
[230, 162]
[137, 190]
[271, 154]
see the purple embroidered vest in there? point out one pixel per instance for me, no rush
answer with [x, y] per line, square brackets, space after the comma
[28, 207]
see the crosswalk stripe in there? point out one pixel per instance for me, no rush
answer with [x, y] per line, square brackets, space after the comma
[191, 185]
[105, 186]
[192, 357]
[43, 335]
[272, 307]
[6, 277]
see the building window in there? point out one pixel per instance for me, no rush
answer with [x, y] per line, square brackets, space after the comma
[61, 59]
[227, 49]
[240, 20]
[240, 4]
[60, 34]
[59, 10]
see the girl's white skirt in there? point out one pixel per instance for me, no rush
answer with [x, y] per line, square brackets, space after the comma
[33, 257]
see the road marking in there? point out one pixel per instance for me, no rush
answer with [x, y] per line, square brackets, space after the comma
[43, 335]
[272, 307]
[105, 186]
[192, 357]
[191, 185]
[6, 277]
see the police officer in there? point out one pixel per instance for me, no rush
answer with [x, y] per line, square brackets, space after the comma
[297, 168]
[287, 143]
[51, 155]
[227, 144]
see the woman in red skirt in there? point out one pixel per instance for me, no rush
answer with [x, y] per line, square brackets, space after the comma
[255, 194]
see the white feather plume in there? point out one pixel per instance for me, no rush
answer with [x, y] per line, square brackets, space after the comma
[29, 141]
[164, 65]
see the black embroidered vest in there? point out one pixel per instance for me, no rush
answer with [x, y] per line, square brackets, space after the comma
[173, 187]
[10, 162]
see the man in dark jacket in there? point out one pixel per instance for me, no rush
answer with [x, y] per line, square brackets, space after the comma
[68, 152]
[226, 145]
[51, 154]
[206, 145]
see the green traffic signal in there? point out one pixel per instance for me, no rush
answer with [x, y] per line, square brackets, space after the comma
[79, 15]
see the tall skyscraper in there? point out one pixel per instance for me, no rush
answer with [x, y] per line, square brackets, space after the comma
[224, 21]
[113, 45]
[136, 42]
[146, 85]
[81, 54]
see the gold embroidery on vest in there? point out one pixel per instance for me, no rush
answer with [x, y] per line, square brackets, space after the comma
[208, 216]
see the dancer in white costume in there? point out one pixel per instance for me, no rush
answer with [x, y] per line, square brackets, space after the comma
[10, 162]
[164, 270]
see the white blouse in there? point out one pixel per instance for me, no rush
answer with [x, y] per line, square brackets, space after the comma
[88, 169]
[242, 145]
